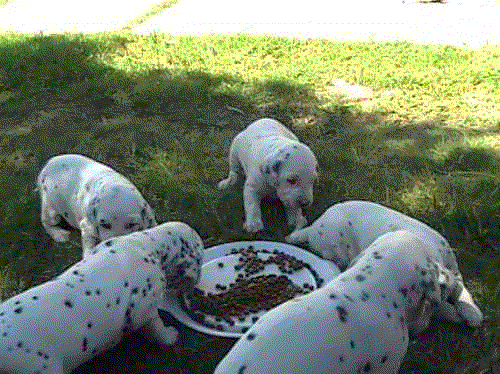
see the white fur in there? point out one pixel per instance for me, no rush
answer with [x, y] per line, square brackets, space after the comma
[274, 161]
[356, 323]
[348, 228]
[58, 325]
[92, 197]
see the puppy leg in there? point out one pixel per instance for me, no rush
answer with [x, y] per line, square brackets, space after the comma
[253, 214]
[50, 220]
[295, 217]
[421, 317]
[89, 237]
[156, 332]
[233, 169]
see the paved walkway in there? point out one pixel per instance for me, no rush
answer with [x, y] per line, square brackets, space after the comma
[469, 23]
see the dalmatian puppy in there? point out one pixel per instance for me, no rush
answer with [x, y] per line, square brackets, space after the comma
[274, 162]
[58, 325]
[348, 228]
[92, 197]
[357, 323]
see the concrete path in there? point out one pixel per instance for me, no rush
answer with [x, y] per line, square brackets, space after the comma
[55, 16]
[469, 23]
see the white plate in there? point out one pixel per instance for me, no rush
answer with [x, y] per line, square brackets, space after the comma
[218, 270]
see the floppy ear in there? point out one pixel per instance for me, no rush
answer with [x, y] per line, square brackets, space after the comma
[272, 165]
[439, 283]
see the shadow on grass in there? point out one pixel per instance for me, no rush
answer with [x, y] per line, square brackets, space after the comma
[169, 131]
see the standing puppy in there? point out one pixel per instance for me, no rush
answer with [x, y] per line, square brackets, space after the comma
[91, 197]
[357, 323]
[274, 161]
[58, 325]
[348, 228]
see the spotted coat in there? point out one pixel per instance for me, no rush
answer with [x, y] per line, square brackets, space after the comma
[56, 326]
[357, 323]
[79, 192]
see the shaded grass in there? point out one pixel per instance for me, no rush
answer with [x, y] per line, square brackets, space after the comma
[163, 112]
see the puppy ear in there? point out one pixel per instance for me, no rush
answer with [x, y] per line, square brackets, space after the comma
[439, 283]
[272, 165]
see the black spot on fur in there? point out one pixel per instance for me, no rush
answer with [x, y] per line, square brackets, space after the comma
[395, 305]
[376, 255]
[349, 298]
[367, 367]
[333, 296]
[34, 297]
[364, 296]
[342, 314]
[106, 225]
[68, 303]
[18, 310]
[360, 278]
[404, 291]
[251, 336]
[108, 243]
[277, 166]
[242, 369]
[89, 325]
[388, 315]
[84, 345]
[384, 359]
[341, 359]
[352, 344]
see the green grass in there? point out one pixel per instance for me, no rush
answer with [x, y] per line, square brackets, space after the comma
[162, 110]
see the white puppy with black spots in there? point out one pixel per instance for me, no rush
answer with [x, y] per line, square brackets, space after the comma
[274, 162]
[91, 197]
[357, 323]
[58, 325]
[348, 228]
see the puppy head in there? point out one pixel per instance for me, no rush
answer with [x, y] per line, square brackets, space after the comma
[181, 255]
[118, 211]
[292, 170]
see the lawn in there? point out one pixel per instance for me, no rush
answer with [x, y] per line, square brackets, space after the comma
[162, 110]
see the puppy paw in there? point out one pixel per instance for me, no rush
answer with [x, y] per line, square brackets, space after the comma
[229, 181]
[170, 336]
[59, 235]
[223, 184]
[253, 226]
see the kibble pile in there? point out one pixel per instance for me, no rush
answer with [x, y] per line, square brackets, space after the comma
[251, 294]
[247, 296]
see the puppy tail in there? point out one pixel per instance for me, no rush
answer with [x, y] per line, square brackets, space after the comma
[298, 236]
